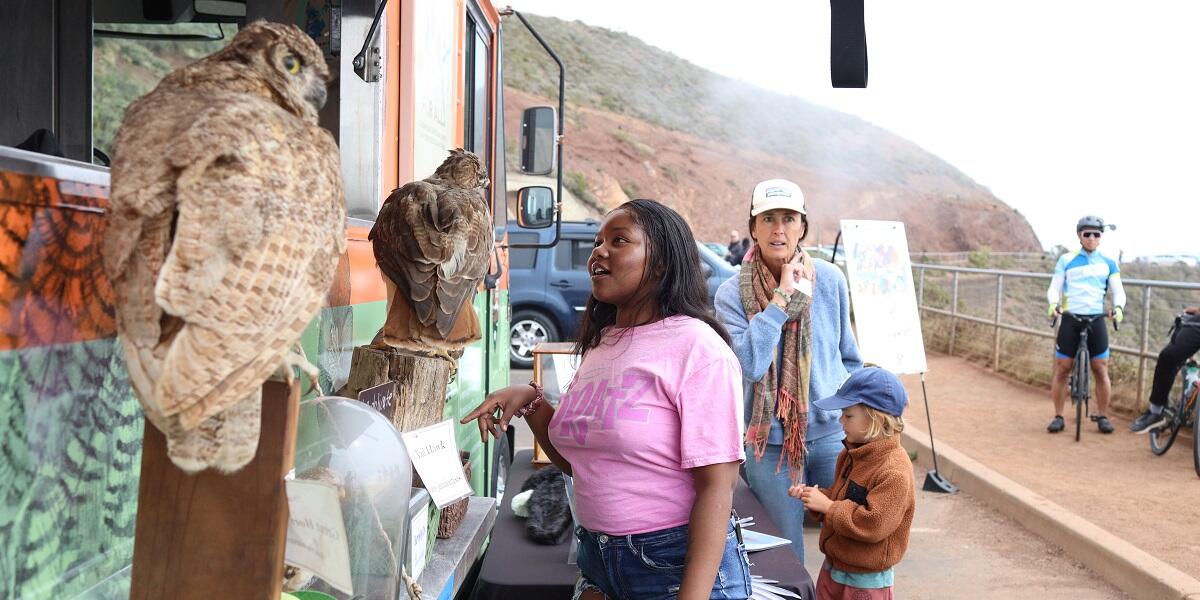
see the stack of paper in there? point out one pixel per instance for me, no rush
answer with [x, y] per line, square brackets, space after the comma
[761, 589]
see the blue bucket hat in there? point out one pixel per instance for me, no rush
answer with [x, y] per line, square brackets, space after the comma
[873, 386]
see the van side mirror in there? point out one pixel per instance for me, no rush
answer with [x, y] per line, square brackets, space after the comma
[539, 140]
[536, 208]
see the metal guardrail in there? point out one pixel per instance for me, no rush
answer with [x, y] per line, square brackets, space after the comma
[1142, 353]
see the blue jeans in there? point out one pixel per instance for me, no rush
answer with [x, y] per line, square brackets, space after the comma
[771, 488]
[650, 565]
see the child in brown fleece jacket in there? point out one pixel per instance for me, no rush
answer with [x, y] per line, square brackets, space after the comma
[869, 510]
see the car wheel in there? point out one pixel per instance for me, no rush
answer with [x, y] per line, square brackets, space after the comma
[529, 328]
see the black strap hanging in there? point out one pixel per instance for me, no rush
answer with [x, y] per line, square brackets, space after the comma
[847, 44]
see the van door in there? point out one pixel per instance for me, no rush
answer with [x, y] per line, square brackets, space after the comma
[569, 280]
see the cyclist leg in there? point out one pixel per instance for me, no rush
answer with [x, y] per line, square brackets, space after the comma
[1098, 348]
[1185, 343]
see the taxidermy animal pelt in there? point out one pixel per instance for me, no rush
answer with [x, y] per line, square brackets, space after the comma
[225, 227]
[549, 519]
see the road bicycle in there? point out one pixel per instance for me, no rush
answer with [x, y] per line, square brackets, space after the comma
[1081, 370]
[1183, 412]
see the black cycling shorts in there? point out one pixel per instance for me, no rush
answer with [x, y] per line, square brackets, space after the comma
[1068, 338]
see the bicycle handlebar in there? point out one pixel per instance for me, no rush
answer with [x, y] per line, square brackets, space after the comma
[1116, 324]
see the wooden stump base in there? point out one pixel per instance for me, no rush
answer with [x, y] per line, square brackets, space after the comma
[421, 383]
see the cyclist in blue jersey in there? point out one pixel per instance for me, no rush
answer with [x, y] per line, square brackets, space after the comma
[1081, 280]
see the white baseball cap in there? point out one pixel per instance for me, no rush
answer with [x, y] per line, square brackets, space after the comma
[776, 193]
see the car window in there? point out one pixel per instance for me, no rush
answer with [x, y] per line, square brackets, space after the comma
[572, 254]
[522, 258]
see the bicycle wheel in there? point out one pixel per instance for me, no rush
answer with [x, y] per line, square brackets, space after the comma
[1161, 438]
[1080, 396]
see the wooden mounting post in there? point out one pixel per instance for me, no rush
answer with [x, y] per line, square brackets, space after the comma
[209, 535]
[420, 384]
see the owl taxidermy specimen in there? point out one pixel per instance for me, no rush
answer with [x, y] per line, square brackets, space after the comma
[432, 241]
[226, 223]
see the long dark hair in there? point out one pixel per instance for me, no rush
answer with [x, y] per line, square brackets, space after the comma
[672, 259]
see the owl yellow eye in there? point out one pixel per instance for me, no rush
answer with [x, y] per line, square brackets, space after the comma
[292, 64]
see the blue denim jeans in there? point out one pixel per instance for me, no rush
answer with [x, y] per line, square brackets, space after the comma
[771, 488]
[650, 565]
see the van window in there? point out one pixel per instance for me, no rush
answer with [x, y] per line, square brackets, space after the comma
[522, 258]
[572, 255]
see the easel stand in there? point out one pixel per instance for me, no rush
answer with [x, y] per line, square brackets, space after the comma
[210, 535]
[934, 482]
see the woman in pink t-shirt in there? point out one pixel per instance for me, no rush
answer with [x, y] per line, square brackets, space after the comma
[651, 426]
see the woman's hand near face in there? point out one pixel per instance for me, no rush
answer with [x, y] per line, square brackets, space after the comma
[793, 271]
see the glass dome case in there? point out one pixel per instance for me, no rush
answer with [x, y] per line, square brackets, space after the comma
[350, 445]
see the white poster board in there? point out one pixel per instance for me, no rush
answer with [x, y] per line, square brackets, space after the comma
[434, 455]
[435, 73]
[882, 292]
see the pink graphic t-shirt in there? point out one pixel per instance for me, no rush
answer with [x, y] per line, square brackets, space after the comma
[646, 406]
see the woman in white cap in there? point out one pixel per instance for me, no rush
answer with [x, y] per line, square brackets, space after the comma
[789, 317]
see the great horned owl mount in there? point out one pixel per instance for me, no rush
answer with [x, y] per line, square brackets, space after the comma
[226, 224]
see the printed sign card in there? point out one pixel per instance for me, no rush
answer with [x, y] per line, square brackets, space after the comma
[435, 456]
[316, 537]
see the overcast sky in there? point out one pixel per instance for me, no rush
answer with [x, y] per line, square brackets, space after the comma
[1061, 107]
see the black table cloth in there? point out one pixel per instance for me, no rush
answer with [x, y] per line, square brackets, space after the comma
[516, 568]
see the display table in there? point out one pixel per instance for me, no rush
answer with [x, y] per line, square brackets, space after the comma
[515, 567]
[453, 558]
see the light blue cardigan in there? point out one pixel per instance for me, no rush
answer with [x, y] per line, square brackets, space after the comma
[834, 351]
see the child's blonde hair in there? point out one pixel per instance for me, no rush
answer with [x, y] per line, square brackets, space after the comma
[882, 424]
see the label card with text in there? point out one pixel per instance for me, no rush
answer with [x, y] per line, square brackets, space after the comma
[381, 397]
[418, 538]
[435, 456]
[316, 537]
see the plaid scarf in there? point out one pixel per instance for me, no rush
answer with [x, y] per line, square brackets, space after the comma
[781, 392]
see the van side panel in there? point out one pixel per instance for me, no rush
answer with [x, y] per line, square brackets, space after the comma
[71, 449]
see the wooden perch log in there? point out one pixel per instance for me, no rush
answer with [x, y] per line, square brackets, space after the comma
[209, 535]
[421, 383]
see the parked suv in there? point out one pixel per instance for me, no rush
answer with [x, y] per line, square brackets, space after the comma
[549, 287]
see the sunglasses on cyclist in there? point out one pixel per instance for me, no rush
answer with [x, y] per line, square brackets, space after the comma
[1091, 234]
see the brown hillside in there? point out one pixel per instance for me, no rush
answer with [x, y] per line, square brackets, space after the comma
[611, 158]
[641, 122]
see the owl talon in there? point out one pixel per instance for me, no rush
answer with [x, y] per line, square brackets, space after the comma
[295, 358]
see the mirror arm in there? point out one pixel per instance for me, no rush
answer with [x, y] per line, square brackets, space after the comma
[562, 94]
[370, 75]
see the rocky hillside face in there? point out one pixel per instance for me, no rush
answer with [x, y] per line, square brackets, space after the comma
[644, 123]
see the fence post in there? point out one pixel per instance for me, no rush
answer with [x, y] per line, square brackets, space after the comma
[1141, 380]
[920, 289]
[996, 339]
[953, 312]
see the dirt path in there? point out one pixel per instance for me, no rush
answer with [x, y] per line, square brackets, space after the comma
[1112, 480]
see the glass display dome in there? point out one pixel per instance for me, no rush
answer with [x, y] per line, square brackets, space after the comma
[350, 445]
